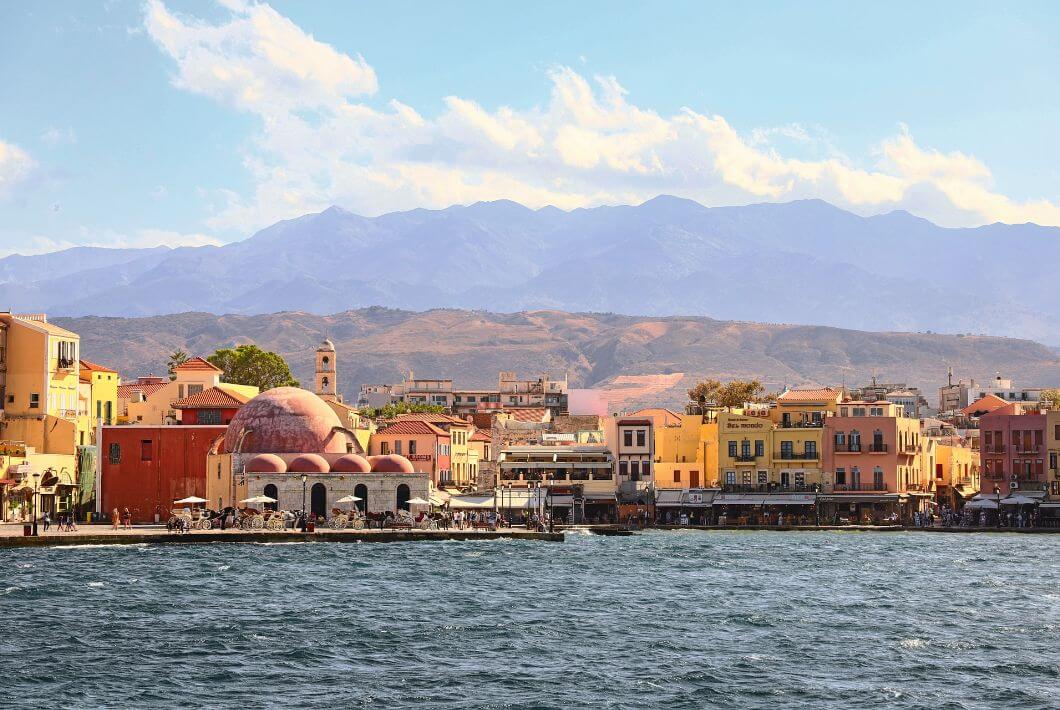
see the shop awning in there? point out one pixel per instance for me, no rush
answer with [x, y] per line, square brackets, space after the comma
[794, 499]
[856, 498]
[472, 502]
[1018, 500]
[1051, 506]
[739, 500]
[981, 504]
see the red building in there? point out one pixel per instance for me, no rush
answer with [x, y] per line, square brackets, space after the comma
[145, 468]
[216, 405]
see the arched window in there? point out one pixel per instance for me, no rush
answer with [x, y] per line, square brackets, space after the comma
[270, 491]
[403, 497]
[323, 383]
[324, 361]
[361, 491]
[319, 500]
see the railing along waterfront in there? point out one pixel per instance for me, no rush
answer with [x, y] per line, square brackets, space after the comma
[795, 456]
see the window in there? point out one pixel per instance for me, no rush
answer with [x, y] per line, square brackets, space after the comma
[677, 475]
[640, 437]
[114, 453]
[840, 439]
[194, 389]
[841, 476]
[34, 401]
[786, 449]
[412, 447]
[634, 469]
[209, 416]
[109, 419]
[811, 449]
[763, 478]
[747, 478]
[760, 447]
[859, 411]
[623, 468]
[800, 478]
[384, 447]
[855, 478]
[645, 468]
[732, 449]
[397, 447]
[730, 478]
[145, 449]
[627, 437]
[877, 478]
[99, 408]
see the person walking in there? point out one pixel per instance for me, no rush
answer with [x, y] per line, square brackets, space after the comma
[126, 519]
[47, 520]
[115, 518]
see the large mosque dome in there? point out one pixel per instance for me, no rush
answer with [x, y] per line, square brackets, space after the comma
[286, 420]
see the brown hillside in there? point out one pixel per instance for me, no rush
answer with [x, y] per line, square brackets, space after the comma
[650, 360]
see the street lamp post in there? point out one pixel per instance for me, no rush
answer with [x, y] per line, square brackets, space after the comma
[304, 479]
[36, 488]
[817, 503]
[997, 492]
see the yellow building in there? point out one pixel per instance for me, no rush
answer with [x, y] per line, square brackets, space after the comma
[39, 391]
[1052, 441]
[686, 452]
[956, 471]
[97, 401]
[757, 455]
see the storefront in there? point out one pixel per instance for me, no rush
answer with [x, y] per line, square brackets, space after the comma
[688, 506]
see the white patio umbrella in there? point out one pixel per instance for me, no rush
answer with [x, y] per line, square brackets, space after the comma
[349, 499]
[1018, 500]
[258, 499]
[418, 501]
[982, 504]
[190, 500]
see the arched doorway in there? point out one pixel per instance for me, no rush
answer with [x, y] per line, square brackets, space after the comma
[271, 492]
[361, 491]
[403, 497]
[318, 500]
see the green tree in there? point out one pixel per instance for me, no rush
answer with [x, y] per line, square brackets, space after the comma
[176, 358]
[250, 365]
[739, 392]
[396, 409]
[702, 395]
[1050, 398]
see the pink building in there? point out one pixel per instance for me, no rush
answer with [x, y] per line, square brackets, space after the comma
[871, 461]
[1012, 452]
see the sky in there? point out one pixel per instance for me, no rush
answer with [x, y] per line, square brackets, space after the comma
[183, 122]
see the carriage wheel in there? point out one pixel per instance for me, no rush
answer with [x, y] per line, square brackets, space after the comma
[257, 522]
[275, 523]
[338, 522]
[205, 524]
[357, 524]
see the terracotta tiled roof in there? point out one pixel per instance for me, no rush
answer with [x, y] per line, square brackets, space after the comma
[89, 365]
[427, 417]
[527, 414]
[197, 363]
[809, 395]
[126, 391]
[482, 435]
[212, 398]
[986, 403]
[413, 426]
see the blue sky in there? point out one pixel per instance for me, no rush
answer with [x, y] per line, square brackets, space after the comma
[138, 123]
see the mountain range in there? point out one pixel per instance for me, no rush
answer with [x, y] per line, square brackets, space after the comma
[804, 262]
[639, 360]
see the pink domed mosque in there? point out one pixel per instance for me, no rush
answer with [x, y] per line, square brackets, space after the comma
[289, 444]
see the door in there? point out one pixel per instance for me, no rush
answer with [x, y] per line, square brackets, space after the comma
[403, 497]
[693, 479]
[361, 491]
[270, 491]
[318, 504]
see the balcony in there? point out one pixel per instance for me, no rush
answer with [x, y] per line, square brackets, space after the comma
[745, 458]
[860, 487]
[767, 488]
[848, 449]
[995, 449]
[877, 448]
[802, 425]
[1028, 450]
[795, 456]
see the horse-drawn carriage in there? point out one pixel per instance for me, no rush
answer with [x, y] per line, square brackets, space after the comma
[341, 519]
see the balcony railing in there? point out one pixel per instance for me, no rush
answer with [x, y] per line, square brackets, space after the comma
[767, 488]
[796, 456]
[848, 449]
[877, 448]
[995, 449]
[1026, 484]
[1028, 449]
[745, 458]
[857, 487]
[802, 425]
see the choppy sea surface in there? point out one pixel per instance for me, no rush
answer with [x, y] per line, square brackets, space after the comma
[665, 619]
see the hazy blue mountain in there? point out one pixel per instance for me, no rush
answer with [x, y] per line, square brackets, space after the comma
[799, 262]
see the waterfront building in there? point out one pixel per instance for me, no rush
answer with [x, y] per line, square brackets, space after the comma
[872, 462]
[97, 400]
[1013, 452]
[953, 396]
[686, 452]
[145, 467]
[1051, 507]
[579, 478]
[40, 391]
[512, 393]
[149, 400]
[956, 472]
[288, 444]
[632, 440]
[454, 462]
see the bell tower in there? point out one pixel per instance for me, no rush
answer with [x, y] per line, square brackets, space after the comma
[326, 374]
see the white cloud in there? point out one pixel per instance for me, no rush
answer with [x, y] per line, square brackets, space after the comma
[589, 144]
[15, 166]
[55, 136]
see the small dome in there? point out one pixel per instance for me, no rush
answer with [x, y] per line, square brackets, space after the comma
[351, 463]
[285, 420]
[392, 463]
[326, 346]
[308, 463]
[266, 463]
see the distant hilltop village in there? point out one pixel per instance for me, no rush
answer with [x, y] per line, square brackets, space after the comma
[77, 440]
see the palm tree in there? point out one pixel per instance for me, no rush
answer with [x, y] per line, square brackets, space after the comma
[176, 358]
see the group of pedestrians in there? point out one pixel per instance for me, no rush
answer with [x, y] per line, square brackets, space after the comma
[122, 519]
